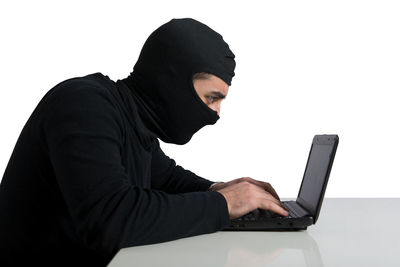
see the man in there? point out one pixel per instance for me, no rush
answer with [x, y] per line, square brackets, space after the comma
[87, 176]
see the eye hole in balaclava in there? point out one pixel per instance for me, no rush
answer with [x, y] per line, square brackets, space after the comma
[198, 77]
[162, 78]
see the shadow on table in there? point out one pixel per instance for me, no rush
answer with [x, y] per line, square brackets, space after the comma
[227, 249]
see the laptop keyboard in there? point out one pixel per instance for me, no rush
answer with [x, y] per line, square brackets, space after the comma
[259, 215]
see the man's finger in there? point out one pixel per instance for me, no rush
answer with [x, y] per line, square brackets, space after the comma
[269, 197]
[268, 187]
[272, 206]
[271, 190]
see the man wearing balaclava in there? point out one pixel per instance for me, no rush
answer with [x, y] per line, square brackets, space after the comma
[87, 176]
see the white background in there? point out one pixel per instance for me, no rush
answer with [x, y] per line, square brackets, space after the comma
[303, 68]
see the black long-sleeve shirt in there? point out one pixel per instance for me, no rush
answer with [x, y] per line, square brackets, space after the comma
[80, 184]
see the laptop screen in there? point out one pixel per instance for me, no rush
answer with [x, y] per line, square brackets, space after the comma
[316, 175]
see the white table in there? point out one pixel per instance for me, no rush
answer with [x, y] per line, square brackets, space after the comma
[349, 232]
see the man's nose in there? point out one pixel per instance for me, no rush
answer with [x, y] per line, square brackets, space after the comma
[218, 109]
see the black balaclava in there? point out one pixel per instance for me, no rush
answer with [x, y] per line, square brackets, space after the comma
[162, 78]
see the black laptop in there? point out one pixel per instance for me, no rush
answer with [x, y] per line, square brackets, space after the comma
[305, 210]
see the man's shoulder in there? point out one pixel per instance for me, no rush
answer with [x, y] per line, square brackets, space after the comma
[79, 95]
[95, 83]
[80, 90]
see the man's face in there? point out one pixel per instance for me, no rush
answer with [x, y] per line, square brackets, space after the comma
[212, 91]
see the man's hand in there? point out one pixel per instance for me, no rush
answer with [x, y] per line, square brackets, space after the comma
[264, 185]
[246, 194]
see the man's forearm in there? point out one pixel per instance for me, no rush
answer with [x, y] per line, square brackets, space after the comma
[183, 181]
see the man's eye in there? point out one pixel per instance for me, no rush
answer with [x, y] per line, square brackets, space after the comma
[211, 98]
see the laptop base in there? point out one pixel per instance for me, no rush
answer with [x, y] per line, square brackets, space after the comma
[273, 224]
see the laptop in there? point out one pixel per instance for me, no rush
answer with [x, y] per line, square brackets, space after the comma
[305, 210]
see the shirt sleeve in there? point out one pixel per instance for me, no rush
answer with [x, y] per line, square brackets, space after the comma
[83, 135]
[172, 178]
